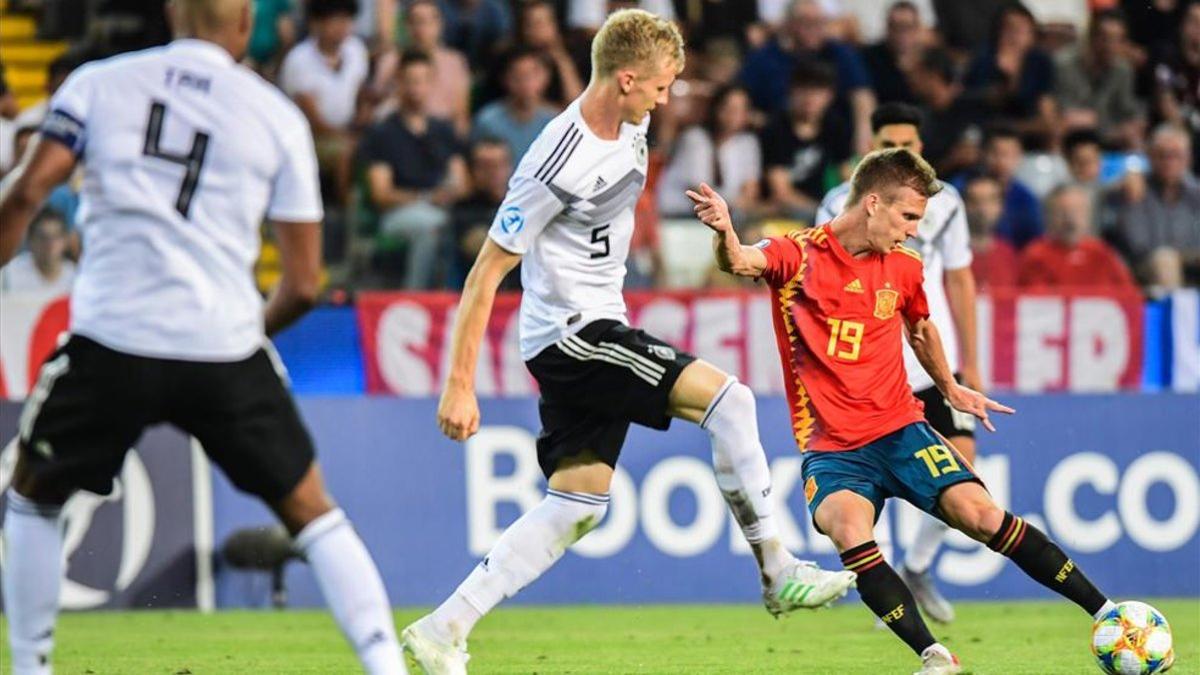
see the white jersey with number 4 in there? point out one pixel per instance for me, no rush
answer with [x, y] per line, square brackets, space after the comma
[569, 213]
[184, 152]
[945, 244]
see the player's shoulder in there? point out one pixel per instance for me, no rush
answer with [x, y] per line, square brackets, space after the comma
[949, 194]
[553, 147]
[117, 67]
[905, 257]
[808, 237]
[255, 94]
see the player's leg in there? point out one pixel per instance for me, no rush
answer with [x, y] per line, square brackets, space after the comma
[969, 508]
[726, 410]
[245, 419]
[959, 430]
[845, 493]
[82, 416]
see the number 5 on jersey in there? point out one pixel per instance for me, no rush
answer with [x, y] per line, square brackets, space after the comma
[192, 162]
[845, 339]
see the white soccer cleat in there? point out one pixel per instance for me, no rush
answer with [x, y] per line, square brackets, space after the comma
[804, 585]
[434, 655]
[937, 660]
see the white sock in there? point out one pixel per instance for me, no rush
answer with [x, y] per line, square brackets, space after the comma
[1108, 606]
[523, 553]
[33, 568]
[740, 465]
[353, 590]
[930, 534]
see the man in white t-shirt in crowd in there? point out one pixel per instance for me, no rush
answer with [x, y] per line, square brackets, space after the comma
[323, 75]
[944, 242]
[43, 268]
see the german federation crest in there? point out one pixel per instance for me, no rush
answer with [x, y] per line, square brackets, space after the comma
[639, 147]
[885, 303]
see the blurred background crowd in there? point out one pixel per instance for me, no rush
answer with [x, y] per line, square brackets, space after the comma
[1070, 127]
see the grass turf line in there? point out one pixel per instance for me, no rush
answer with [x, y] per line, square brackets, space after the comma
[1042, 638]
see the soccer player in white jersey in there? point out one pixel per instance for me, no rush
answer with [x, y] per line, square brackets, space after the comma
[945, 246]
[568, 218]
[184, 151]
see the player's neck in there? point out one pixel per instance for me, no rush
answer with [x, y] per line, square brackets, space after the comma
[601, 110]
[851, 232]
[225, 42]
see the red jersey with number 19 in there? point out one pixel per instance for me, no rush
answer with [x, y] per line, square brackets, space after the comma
[838, 327]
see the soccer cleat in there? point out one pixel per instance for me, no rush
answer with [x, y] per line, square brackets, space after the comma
[434, 655]
[929, 599]
[937, 660]
[804, 585]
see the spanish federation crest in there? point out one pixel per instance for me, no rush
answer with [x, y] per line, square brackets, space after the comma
[639, 147]
[885, 303]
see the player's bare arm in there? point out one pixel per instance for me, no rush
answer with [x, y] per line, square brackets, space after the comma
[960, 291]
[927, 345]
[300, 284]
[458, 409]
[732, 256]
[47, 164]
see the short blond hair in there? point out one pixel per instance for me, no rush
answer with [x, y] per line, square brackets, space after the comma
[635, 37]
[883, 171]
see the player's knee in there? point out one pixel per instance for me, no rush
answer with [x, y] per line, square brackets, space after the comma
[737, 401]
[978, 519]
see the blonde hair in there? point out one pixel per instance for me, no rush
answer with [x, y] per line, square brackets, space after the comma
[635, 37]
[883, 171]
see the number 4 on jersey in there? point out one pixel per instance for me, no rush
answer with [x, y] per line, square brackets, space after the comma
[192, 162]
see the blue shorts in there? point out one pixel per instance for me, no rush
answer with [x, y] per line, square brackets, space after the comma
[912, 463]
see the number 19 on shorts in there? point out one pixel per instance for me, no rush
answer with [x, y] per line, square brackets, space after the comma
[938, 459]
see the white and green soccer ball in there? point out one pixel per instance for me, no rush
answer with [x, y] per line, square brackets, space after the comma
[1133, 638]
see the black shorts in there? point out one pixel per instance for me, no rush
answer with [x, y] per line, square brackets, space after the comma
[91, 404]
[944, 419]
[595, 383]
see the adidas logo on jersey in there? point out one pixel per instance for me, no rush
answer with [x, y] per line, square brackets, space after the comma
[854, 287]
[600, 184]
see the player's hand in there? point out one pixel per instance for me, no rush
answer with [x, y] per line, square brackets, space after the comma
[970, 401]
[458, 413]
[711, 208]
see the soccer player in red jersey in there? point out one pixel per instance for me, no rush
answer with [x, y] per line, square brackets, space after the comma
[844, 294]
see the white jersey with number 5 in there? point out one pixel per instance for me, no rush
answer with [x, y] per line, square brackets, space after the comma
[184, 153]
[569, 212]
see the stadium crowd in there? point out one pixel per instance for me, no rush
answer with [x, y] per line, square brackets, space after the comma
[1069, 127]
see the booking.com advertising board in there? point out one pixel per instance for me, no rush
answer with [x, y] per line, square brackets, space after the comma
[1111, 477]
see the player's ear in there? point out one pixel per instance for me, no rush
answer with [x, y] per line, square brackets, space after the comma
[625, 80]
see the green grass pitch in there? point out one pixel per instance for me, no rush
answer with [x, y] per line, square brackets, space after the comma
[1037, 638]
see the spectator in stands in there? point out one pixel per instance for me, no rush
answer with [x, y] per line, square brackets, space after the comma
[955, 118]
[323, 75]
[966, 25]
[1069, 256]
[1176, 91]
[722, 152]
[767, 71]
[519, 117]
[451, 95]
[1021, 219]
[804, 148]
[1161, 213]
[1014, 76]
[272, 35]
[1083, 153]
[537, 29]
[414, 171]
[476, 28]
[994, 260]
[44, 267]
[1093, 84]
[891, 60]
[491, 167]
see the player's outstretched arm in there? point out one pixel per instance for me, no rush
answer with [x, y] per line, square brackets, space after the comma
[458, 409]
[927, 345]
[47, 164]
[300, 283]
[732, 256]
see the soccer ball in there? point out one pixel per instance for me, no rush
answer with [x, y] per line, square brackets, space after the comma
[1133, 638]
